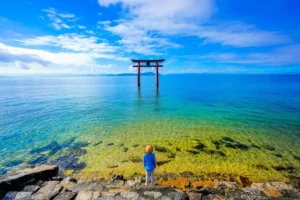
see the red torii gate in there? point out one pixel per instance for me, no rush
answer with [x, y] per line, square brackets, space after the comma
[147, 64]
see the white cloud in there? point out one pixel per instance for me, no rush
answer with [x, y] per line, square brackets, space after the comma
[60, 20]
[21, 65]
[73, 42]
[90, 32]
[104, 22]
[149, 18]
[81, 27]
[10, 54]
[287, 55]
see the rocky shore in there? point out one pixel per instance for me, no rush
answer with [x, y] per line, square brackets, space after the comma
[45, 182]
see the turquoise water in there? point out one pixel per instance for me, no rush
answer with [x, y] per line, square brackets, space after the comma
[83, 123]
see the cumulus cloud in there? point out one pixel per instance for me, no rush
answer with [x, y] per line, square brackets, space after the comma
[150, 18]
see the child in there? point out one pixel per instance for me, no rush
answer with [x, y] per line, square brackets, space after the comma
[149, 163]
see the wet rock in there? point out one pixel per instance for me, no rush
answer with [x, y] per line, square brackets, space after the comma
[160, 149]
[178, 196]
[269, 147]
[31, 188]
[88, 187]
[130, 195]
[18, 180]
[87, 195]
[125, 149]
[195, 196]
[66, 196]
[152, 194]
[17, 196]
[110, 144]
[49, 191]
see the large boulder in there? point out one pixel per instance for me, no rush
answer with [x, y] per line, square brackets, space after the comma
[21, 178]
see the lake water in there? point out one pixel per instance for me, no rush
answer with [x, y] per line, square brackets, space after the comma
[204, 124]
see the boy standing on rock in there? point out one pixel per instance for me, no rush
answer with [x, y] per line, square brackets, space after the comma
[149, 163]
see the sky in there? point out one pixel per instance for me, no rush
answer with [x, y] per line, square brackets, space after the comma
[194, 36]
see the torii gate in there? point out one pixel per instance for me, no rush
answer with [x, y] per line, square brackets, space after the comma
[147, 64]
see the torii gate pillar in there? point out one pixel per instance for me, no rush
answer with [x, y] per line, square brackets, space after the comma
[148, 64]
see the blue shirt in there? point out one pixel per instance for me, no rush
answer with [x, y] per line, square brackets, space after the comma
[149, 162]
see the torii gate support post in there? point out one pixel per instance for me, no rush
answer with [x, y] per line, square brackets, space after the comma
[139, 74]
[157, 81]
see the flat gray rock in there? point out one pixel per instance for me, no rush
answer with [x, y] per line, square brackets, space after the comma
[178, 196]
[17, 196]
[111, 198]
[130, 195]
[153, 194]
[65, 196]
[49, 191]
[88, 187]
[87, 195]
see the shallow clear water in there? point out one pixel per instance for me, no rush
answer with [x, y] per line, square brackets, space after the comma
[206, 124]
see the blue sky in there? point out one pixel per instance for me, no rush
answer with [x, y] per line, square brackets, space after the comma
[195, 36]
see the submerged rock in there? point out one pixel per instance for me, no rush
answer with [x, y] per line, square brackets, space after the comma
[13, 163]
[43, 159]
[160, 149]
[269, 147]
[160, 163]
